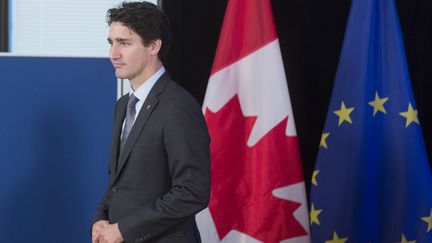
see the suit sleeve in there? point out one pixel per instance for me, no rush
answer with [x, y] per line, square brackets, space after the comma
[102, 208]
[186, 142]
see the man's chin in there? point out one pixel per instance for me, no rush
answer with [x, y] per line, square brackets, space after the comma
[120, 75]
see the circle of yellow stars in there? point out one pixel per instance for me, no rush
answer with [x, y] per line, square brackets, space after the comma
[344, 115]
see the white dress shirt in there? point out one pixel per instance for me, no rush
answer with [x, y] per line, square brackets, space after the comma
[143, 90]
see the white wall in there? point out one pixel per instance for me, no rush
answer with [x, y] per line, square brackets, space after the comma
[61, 28]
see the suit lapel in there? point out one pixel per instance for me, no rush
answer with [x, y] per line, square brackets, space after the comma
[146, 110]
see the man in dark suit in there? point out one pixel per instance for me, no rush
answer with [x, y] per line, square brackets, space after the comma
[159, 166]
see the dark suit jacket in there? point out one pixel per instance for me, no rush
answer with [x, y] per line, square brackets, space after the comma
[163, 175]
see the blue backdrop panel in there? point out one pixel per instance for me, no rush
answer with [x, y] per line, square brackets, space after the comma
[55, 124]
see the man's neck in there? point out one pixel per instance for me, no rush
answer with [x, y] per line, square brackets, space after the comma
[139, 80]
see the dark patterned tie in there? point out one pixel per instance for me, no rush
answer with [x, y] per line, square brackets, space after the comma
[130, 116]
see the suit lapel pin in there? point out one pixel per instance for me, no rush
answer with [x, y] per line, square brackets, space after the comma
[148, 107]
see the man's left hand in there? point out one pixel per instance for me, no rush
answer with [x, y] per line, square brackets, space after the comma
[110, 234]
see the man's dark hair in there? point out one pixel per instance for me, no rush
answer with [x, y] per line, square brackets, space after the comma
[145, 19]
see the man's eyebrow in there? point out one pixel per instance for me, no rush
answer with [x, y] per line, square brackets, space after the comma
[118, 39]
[122, 39]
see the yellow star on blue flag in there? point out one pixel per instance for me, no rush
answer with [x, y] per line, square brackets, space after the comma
[378, 104]
[404, 240]
[410, 115]
[336, 239]
[428, 220]
[344, 114]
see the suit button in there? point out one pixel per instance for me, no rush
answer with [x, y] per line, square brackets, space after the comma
[114, 189]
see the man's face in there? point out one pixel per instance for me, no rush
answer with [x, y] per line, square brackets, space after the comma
[128, 54]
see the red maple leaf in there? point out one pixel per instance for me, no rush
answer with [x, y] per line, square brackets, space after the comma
[243, 177]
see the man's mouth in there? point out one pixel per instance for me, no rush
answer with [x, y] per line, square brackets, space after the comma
[118, 65]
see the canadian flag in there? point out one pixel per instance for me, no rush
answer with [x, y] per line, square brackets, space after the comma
[257, 186]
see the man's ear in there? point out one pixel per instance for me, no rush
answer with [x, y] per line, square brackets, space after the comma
[155, 47]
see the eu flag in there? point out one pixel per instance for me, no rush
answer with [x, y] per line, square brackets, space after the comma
[372, 181]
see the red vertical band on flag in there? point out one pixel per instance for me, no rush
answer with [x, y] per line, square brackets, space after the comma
[248, 25]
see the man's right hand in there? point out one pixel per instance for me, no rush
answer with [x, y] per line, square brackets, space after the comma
[96, 229]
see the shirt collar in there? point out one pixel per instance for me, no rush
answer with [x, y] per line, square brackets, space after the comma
[144, 89]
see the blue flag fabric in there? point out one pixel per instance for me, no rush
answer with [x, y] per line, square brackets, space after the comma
[372, 181]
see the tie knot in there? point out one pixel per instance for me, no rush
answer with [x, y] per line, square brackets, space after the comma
[132, 101]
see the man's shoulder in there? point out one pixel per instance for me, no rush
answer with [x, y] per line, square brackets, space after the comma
[122, 101]
[178, 94]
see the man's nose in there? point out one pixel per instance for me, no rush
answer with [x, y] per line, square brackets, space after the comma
[114, 52]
